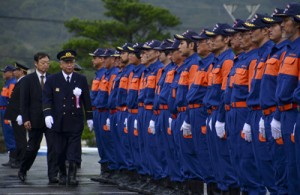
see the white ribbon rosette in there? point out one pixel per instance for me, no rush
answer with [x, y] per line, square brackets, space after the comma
[77, 92]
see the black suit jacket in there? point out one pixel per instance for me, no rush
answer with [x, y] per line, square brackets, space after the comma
[31, 100]
[60, 102]
[13, 107]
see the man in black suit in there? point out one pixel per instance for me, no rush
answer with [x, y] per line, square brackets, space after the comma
[13, 114]
[33, 118]
[64, 96]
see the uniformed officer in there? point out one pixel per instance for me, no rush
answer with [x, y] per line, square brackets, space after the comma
[8, 134]
[217, 136]
[268, 102]
[14, 115]
[287, 96]
[183, 79]
[260, 36]
[65, 95]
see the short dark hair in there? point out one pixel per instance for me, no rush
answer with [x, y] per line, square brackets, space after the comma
[40, 55]
[195, 44]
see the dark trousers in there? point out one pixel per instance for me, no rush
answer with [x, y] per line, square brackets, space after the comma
[21, 140]
[35, 138]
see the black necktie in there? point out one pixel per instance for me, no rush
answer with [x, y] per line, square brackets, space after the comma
[42, 81]
[68, 79]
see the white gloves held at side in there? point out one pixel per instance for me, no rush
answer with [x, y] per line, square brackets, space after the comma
[151, 128]
[19, 120]
[247, 132]
[220, 129]
[276, 129]
[49, 121]
[90, 124]
[186, 129]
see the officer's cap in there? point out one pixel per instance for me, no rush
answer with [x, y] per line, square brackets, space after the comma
[151, 45]
[291, 9]
[165, 44]
[257, 22]
[220, 29]
[187, 35]
[66, 55]
[201, 35]
[97, 53]
[238, 25]
[77, 68]
[21, 67]
[297, 18]
[274, 17]
[124, 47]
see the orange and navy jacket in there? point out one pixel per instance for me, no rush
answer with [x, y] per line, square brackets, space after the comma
[269, 78]
[6, 91]
[217, 82]
[133, 89]
[105, 87]
[95, 85]
[112, 98]
[255, 82]
[151, 76]
[228, 90]
[184, 76]
[123, 84]
[287, 90]
[164, 82]
[244, 69]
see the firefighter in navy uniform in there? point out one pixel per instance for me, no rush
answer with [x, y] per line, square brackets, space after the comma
[65, 94]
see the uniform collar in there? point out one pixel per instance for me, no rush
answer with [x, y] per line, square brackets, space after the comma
[295, 43]
[65, 75]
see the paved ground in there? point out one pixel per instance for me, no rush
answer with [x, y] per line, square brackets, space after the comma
[37, 180]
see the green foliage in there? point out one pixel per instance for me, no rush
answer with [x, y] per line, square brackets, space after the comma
[131, 21]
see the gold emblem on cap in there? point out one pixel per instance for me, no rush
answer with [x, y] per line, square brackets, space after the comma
[179, 36]
[130, 48]
[268, 19]
[249, 24]
[209, 33]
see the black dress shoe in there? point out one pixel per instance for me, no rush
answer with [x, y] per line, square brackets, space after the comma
[22, 176]
[62, 180]
[53, 180]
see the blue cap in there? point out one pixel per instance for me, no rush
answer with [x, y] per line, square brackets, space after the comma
[151, 44]
[187, 35]
[274, 17]
[97, 53]
[67, 54]
[107, 53]
[136, 48]
[21, 66]
[201, 36]
[291, 9]
[220, 29]
[116, 54]
[238, 25]
[174, 45]
[257, 22]
[165, 44]
[8, 68]
[124, 47]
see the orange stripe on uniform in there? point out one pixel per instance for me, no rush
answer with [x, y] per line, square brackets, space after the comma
[10, 89]
[95, 85]
[170, 76]
[4, 92]
[272, 67]
[290, 66]
[134, 84]
[192, 73]
[260, 70]
[103, 85]
[251, 72]
[124, 83]
[226, 68]
[111, 81]
[241, 76]
[151, 82]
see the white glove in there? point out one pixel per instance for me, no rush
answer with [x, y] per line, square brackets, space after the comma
[209, 123]
[19, 120]
[220, 129]
[108, 123]
[135, 124]
[276, 129]
[152, 127]
[294, 129]
[90, 124]
[49, 121]
[247, 132]
[186, 128]
[125, 123]
[262, 127]
[170, 122]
